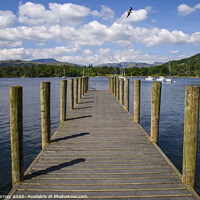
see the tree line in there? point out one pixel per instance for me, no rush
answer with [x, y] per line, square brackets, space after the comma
[183, 67]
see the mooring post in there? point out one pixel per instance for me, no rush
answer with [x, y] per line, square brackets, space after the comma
[137, 101]
[117, 86]
[76, 90]
[16, 134]
[63, 100]
[155, 110]
[45, 112]
[122, 91]
[86, 79]
[71, 90]
[190, 134]
[114, 85]
[87, 83]
[80, 88]
[127, 94]
[109, 84]
[83, 88]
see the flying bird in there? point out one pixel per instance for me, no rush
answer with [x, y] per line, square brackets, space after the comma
[129, 12]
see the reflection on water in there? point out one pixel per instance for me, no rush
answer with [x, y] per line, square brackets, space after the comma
[171, 118]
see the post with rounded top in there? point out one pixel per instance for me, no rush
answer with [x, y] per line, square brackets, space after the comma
[63, 100]
[122, 91]
[45, 112]
[137, 101]
[76, 90]
[155, 110]
[127, 94]
[16, 133]
[117, 90]
[80, 88]
[71, 90]
[190, 134]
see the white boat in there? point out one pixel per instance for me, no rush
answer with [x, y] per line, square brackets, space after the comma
[83, 73]
[122, 75]
[161, 78]
[169, 79]
[149, 78]
[64, 77]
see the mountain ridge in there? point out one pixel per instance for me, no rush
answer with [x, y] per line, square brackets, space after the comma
[130, 64]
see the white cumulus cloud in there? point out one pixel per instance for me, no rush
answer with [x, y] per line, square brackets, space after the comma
[7, 18]
[34, 14]
[106, 13]
[68, 13]
[184, 9]
[135, 16]
[174, 51]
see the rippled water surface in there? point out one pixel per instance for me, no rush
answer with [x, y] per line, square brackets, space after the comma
[171, 118]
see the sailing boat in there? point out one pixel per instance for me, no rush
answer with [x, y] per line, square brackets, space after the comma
[83, 73]
[122, 75]
[169, 79]
[64, 77]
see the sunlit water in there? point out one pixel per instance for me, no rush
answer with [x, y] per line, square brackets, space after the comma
[171, 118]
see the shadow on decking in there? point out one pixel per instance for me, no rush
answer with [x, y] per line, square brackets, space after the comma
[51, 169]
[70, 137]
[82, 117]
[83, 108]
[86, 102]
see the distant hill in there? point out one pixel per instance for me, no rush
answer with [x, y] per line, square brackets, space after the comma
[188, 66]
[16, 63]
[45, 61]
[22, 63]
[129, 64]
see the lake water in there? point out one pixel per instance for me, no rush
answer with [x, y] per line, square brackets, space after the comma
[171, 118]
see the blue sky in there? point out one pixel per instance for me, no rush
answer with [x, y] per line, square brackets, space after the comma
[95, 32]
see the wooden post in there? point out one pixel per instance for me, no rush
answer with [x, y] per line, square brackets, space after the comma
[137, 101]
[76, 90]
[83, 89]
[71, 89]
[114, 85]
[122, 91]
[45, 112]
[80, 88]
[63, 100]
[117, 86]
[108, 83]
[127, 95]
[16, 133]
[190, 134]
[111, 84]
[87, 83]
[155, 110]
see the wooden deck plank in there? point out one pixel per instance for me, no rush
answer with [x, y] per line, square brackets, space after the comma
[102, 153]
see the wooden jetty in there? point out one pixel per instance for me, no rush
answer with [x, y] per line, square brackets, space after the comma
[100, 152]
